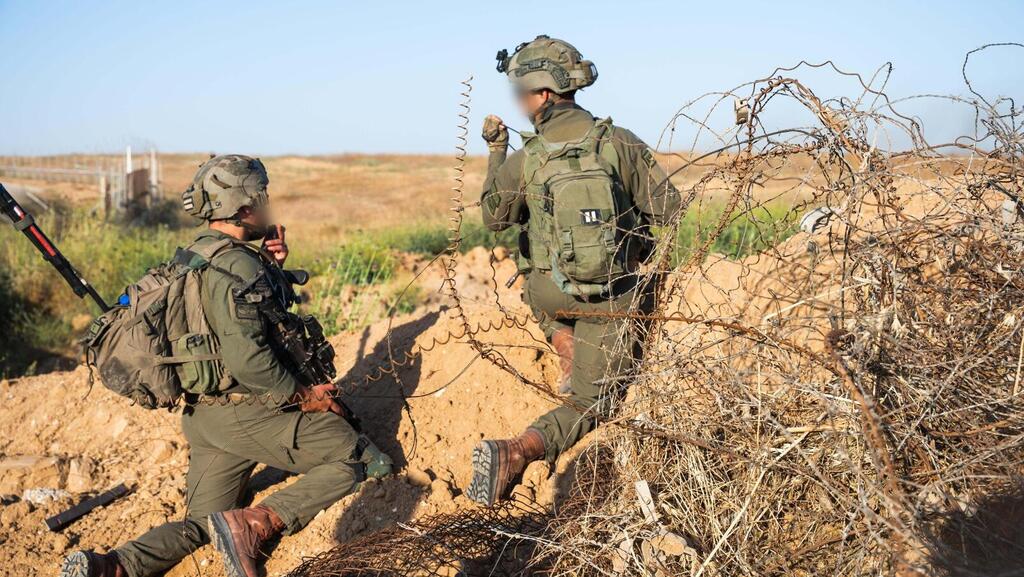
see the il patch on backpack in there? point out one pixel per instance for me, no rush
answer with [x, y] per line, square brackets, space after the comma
[590, 216]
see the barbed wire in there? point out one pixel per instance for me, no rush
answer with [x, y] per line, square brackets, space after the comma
[845, 402]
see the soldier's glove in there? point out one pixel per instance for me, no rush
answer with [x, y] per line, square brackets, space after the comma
[318, 399]
[495, 133]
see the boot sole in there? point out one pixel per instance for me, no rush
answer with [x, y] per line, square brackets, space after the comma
[483, 488]
[75, 565]
[220, 538]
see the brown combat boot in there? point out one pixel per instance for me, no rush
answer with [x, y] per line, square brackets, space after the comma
[497, 464]
[92, 564]
[238, 535]
[562, 341]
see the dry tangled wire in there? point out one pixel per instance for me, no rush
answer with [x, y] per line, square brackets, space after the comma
[473, 542]
[845, 402]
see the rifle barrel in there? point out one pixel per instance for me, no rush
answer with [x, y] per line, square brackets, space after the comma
[24, 222]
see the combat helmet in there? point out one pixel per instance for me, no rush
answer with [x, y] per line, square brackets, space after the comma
[547, 62]
[224, 184]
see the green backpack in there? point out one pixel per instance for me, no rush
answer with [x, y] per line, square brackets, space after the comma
[155, 343]
[581, 218]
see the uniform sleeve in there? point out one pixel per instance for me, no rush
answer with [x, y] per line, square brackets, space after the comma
[245, 348]
[502, 201]
[652, 191]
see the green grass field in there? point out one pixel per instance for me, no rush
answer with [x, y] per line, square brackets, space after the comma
[355, 282]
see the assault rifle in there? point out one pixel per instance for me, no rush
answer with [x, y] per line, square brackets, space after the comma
[303, 340]
[300, 338]
[24, 222]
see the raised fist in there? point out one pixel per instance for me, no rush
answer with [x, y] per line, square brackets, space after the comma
[495, 133]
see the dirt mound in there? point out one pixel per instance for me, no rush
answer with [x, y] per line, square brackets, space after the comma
[423, 393]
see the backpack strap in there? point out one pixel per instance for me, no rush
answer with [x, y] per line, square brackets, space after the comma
[208, 251]
[535, 153]
[600, 138]
[199, 258]
[592, 140]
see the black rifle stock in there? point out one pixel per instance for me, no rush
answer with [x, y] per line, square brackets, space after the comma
[24, 222]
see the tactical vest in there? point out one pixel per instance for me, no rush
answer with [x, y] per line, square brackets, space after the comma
[580, 217]
[155, 343]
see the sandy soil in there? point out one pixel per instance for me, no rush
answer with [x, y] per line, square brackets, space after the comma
[454, 397]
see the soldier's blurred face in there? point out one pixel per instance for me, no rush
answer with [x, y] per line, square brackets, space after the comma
[259, 217]
[531, 101]
[255, 221]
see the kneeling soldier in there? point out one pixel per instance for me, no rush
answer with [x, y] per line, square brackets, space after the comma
[262, 412]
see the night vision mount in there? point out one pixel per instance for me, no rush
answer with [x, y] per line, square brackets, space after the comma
[503, 58]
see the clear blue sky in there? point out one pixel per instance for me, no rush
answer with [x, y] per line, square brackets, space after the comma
[329, 77]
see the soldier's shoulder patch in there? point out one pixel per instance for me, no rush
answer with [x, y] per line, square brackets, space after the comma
[492, 200]
[243, 307]
[648, 157]
[246, 311]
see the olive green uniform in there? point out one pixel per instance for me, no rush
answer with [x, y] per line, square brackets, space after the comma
[604, 348]
[230, 435]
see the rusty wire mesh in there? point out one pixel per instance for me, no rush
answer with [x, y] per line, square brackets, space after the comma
[843, 402]
[498, 541]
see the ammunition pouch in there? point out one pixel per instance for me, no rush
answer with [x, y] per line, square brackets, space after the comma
[201, 372]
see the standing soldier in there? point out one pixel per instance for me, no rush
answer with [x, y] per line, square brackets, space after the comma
[585, 193]
[263, 413]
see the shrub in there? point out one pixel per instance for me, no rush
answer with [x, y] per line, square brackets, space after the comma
[433, 239]
[424, 239]
[747, 232]
[108, 255]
